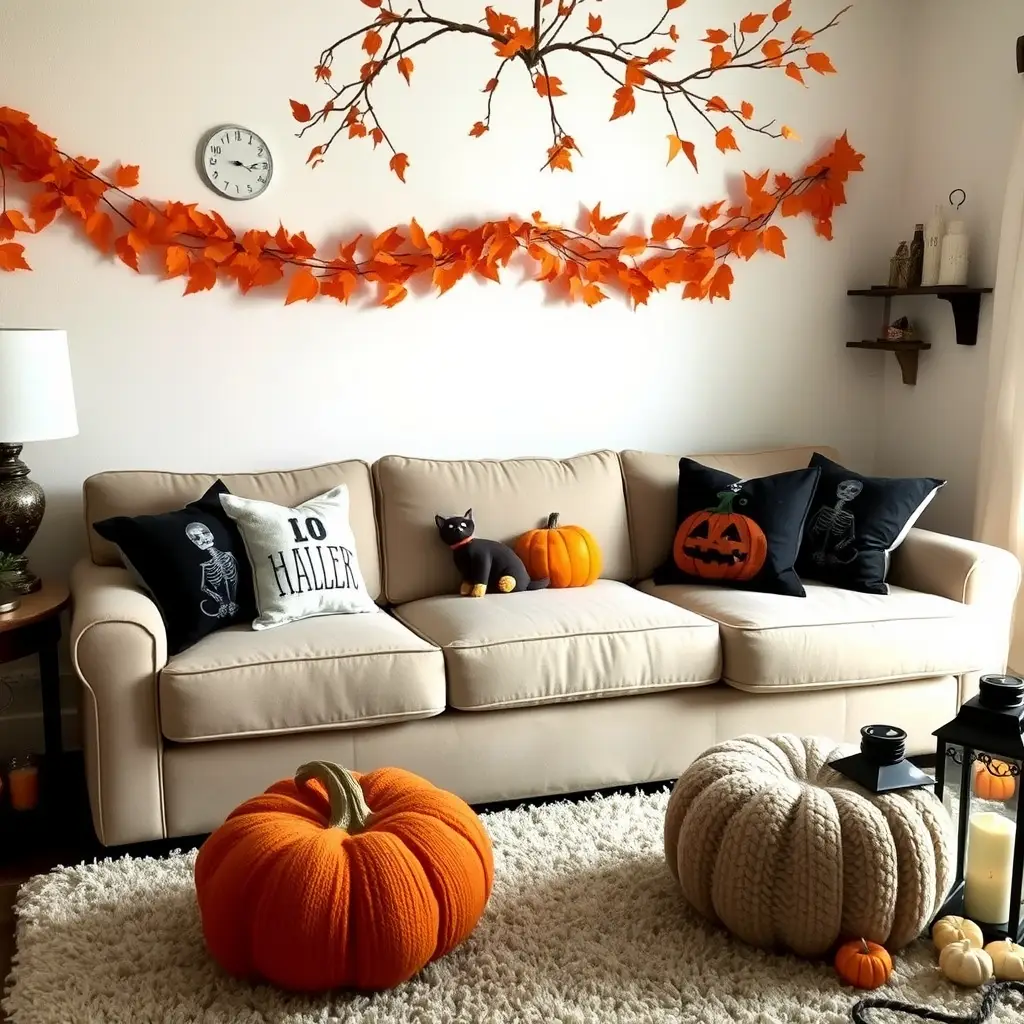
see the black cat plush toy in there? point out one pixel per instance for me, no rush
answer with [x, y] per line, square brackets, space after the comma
[483, 564]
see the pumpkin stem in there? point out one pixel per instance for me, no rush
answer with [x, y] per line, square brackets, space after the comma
[864, 948]
[349, 809]
[553, 521]
[725, 500]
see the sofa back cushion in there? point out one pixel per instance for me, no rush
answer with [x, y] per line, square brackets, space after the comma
[651, 482]
[508, 497]
[141, 492]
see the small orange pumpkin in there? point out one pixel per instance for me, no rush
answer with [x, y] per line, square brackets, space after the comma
[720, 544]
[334, 879]
[993, 781]
[863, 964]
[568, 556]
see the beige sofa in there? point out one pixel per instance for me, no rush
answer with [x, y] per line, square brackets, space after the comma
[505, 696]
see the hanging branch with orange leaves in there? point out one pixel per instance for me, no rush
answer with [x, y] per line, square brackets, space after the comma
[178, 239]
[635, 67]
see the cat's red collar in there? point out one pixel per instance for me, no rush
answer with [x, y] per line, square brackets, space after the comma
[460, 543]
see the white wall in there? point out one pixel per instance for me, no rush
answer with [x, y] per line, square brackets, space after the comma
[961, 118]
[220, 382]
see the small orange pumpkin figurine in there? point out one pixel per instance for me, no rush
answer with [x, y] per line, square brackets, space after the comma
[720, 544]
[568, 556]
[863, 964]
[993, 781]
[334, 879]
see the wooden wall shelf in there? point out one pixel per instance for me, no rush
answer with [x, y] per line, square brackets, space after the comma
[965, 301]
[907, 353]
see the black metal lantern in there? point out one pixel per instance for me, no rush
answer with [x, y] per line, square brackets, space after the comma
[978, 775]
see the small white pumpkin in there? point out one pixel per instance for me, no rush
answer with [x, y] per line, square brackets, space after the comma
[1007, 959]
[956, 929]
[965, 964]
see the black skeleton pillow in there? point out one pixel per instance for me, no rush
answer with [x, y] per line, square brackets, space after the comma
[192, 562]
[855, 524]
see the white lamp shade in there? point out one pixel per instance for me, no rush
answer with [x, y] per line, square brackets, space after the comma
[37, 399]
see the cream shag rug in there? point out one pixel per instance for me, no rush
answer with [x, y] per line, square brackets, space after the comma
[585, 925]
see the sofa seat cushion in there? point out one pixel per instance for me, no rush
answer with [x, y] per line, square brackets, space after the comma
[545, 646]
[835, 637]
[328, 672]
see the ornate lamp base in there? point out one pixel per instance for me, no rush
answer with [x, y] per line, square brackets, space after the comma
[21, 509]
[18, 577]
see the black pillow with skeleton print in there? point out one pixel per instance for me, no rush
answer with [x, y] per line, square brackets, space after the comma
[856, 522]
[192, 562]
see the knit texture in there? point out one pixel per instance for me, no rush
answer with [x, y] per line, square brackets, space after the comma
[768, 840]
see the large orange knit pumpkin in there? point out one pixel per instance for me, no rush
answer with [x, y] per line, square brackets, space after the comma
[568, 556]
[334, 879]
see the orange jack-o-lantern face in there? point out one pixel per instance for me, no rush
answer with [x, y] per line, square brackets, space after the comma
[719, 544]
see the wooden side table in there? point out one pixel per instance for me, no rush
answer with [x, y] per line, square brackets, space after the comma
[34, 628]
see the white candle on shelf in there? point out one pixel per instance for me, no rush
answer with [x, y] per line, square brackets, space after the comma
[989, 871]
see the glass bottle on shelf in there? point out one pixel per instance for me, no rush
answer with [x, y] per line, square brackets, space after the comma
[916, 257]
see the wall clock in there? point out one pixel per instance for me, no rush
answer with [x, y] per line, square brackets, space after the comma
[235, 162]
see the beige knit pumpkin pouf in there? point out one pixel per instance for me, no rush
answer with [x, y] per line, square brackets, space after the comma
[782, 850]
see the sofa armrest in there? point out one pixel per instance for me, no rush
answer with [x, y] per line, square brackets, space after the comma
[118, 647]
[965, 571]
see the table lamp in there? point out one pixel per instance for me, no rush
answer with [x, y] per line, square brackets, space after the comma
[37, 403]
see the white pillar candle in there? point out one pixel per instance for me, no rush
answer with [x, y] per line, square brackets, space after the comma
[989, 871]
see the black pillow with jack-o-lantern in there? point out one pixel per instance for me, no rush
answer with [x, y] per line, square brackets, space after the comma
[739, 533]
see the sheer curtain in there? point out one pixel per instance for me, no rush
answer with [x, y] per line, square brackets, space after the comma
[999, 515]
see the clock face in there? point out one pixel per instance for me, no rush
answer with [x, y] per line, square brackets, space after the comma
[235, 162]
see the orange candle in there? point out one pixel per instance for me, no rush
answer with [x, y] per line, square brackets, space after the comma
[23, 780]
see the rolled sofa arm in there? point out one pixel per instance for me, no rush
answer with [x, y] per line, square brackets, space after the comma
[118, 646]
[965, 571]
[984, 577]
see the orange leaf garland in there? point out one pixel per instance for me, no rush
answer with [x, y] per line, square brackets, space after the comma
[581, 265]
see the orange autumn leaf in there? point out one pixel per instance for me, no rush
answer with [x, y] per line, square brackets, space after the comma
[340, 286]
[202, 276]
[126, 176]
[416, 235]
[717, 103]
[715, 35]
[788, 133]
[725, 140]
[478, 129]
[782, 12]
[590, 294]
[603, 225]
[677, 145]
[673, 4]
[594, 23]
[372, 3]
[176, 260]
[11, 221]
[721, 283]
[819, 62]
[12, 257]
[774, 240]
[772, 49]
[393, 296]
[546, 86]
[399, 163]
[560, 157]
[405, 68]
[322, 73]
[793, 71]
[100, 229]
[490, 86]
[300, 111]
[126, 252]
[371, 42]
[658, 54]
[801, 35]
[378, 137]
[519, 40]
[746, 110]
[720, 56]
[666, 226]
[625, 102]
[635, 74]
[302, 287]
[752, 22]
[634, 245]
